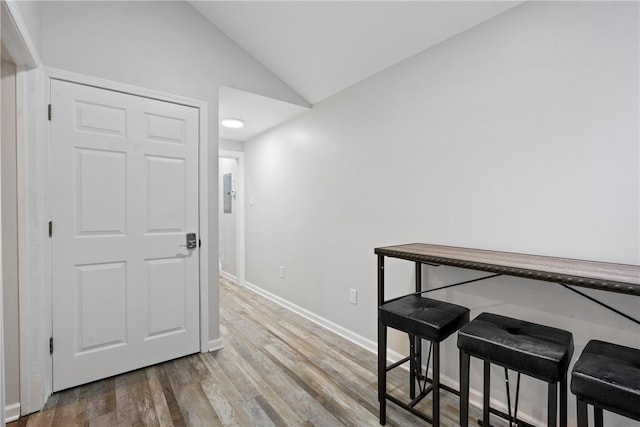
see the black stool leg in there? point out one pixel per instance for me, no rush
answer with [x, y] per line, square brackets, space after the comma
[415, 364]
[436, 383]
[382, 371]
[417, 342]
[583, 417]
[563, 402]
[486, 394]
[552, 415]
[597, 416]
[464, 388]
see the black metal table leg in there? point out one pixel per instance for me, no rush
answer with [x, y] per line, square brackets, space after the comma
[382, 371]
[465, 360]
[552, 414]
[486, 394]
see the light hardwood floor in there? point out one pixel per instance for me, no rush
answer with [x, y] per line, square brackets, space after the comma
[276, 368]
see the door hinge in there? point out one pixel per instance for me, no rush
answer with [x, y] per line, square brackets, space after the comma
[51, 345]
[199, 243]
[50, 228]
[49, 112]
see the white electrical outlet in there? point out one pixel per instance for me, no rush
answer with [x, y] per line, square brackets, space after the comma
[353, 296]
[281, 272]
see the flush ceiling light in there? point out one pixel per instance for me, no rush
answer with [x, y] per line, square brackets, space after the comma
[233, 123]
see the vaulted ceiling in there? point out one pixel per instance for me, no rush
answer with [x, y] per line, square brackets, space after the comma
[319, 48]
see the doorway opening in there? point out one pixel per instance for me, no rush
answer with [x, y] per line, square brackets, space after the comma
[231, 216]
[258, 114]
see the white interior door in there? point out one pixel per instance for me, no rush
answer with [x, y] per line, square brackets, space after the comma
[124, 186]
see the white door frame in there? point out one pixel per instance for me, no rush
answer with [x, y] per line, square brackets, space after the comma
[35, 369]
[2, 382]
[240, 229]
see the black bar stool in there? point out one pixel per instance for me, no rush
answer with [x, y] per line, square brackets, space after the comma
[607, 376]
[535, 350]
[421, 318]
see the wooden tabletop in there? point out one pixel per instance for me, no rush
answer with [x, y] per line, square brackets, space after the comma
[619, 278]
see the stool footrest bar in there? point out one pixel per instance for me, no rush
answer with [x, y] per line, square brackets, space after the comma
[410, 409]
[494, 411]
[398, 363]
[518, 422]
[421, 396]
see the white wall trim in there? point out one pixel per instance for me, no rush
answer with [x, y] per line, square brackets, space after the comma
[16, 38]
[2, 397]
[68, 76]
[345, 333]
[215, 345]
[240, 217]
[203, 175]
[230, 277]
[35, 384]
[33, 244]
[203, 183]
[12, 412]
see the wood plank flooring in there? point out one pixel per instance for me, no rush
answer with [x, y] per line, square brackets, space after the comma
[276, 369]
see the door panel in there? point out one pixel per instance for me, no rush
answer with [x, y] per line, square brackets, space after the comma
[124, 186]
[101, 202]
[165, 192]
[167, 297]
[165, 129]
[106, 119]
[101, 290]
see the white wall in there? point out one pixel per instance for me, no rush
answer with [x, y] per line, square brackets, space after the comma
[520, 135]
[231, 145]
[227, 221]
[30, 14]
[165, 46]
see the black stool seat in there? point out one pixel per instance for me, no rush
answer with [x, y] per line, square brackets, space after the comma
[536, 350]
[427, 318]
[608, 376]
[421, 318]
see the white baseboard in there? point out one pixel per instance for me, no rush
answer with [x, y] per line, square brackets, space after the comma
[12, 412]
[215, 345]
[327, 324]
[229, 277]
[475, 396]
[475, 400]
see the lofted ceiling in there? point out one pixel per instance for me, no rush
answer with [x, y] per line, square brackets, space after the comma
[320, 48]
[259, 113]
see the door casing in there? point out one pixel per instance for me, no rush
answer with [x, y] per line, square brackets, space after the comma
[31, 177]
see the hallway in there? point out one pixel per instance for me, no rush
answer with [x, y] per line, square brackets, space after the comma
[276, 368]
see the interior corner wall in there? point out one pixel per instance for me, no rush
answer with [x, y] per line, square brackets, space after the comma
[520, 134]
[161, 45]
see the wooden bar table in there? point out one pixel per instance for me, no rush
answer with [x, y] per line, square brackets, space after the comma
[619, 278]
[569, 273]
